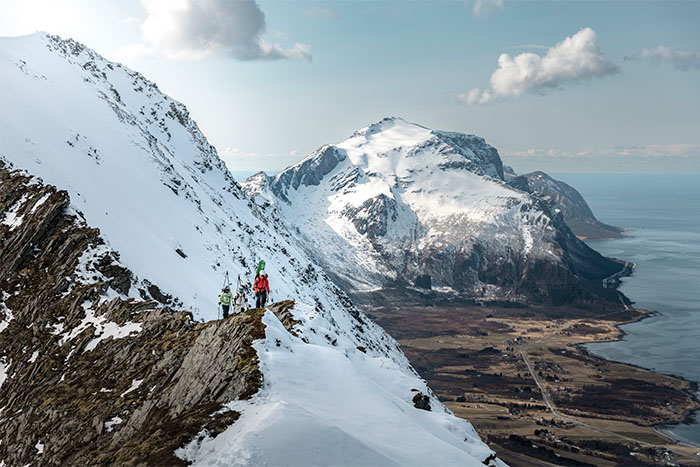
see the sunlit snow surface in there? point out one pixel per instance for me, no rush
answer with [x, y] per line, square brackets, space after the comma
[325, 404]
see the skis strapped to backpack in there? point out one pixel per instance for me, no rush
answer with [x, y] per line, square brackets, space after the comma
[226, 282]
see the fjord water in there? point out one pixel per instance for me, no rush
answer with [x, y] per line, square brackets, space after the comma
[664, 211]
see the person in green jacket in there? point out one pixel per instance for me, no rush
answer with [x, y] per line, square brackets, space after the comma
[225, 300]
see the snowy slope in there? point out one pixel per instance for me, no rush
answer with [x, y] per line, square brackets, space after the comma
[135, 165]
[355, 406]
[397, 201]
[138, 167]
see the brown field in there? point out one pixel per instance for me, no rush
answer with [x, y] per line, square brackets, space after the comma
[601, 413]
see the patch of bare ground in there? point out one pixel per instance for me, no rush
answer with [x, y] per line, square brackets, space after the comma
[604, 412]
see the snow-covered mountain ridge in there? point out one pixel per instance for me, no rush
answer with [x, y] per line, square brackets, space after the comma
[400, 204]
[118, 372]
[137, 167]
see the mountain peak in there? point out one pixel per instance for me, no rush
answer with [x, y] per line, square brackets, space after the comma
[388, 123]
[403, 145]
[397, 201]
[387, 134]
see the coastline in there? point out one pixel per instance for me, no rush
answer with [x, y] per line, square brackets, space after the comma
[693, 389]
[676, 438]
[472, 356]
[613, 281]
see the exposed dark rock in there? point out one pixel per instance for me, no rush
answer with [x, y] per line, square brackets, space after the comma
[310, 171]
[563, 197]
[423, 281]
[372, 217]
[283, 311]
[157, 294]
[508, 170]
[88, 398]
[421, 401]
[487, 160]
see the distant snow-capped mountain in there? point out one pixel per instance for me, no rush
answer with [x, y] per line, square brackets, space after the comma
[335, 387]
[400, 204]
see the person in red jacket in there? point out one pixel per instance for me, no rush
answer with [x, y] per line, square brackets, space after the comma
[261, 288]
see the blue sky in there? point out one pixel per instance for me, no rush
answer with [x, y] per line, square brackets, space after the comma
[318, 71]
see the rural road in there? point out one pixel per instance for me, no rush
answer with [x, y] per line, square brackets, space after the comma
[553, 408]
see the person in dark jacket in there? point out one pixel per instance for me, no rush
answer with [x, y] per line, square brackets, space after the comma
[261, 288]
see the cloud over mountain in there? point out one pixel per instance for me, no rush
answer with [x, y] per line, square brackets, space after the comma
[189, 29]
[576, 58]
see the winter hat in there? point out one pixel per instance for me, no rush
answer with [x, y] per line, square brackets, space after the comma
[262, 272]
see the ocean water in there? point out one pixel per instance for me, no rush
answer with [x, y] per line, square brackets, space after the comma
[664, 211]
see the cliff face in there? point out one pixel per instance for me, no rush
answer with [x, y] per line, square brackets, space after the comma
[87, 376]
[559, 195]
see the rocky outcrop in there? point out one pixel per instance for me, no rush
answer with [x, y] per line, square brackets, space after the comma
[310, 171]
[479, 156]
[566, 199]
[88, 375]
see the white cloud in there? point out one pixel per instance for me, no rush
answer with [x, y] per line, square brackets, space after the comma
[658, 150]
[648, 158]
[678, 150]
[485, 7]
[192, 29]
[576, 58]
[683, 60]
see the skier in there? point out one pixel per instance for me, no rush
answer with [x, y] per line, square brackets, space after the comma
[225, 299]
[240, 304]
[261, 288]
